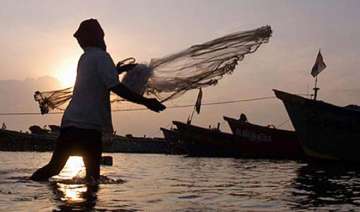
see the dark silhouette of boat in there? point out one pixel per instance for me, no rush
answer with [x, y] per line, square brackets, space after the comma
[11, 140]
[170, 135]
[45, 140]
[209, 142]
[282, 141]
[172, 138]
[325, 131]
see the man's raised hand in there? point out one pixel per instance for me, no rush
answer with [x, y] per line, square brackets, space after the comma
[154, 105]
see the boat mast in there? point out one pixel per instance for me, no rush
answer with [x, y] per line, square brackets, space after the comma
[315, 71]
[316, 89]
[196, 107]
[190, 117]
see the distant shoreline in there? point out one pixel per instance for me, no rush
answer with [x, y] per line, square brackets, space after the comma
[14, 141]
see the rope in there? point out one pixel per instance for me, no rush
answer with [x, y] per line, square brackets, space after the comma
[144, 109]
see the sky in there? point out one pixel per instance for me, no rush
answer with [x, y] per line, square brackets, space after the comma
[39, 53]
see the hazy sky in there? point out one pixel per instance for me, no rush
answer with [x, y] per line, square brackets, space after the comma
[36, 39]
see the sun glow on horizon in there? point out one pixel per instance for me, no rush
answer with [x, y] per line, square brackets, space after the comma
[66, 73]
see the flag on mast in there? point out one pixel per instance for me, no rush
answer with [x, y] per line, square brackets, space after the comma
[319, 65]
[198, 102]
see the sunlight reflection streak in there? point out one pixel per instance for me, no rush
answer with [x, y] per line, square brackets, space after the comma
[74, 167]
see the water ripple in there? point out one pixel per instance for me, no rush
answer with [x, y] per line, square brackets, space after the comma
[174, 183]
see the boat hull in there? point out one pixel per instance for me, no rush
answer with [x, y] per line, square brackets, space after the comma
[205, 142]
[325, 131]
[283, 141]
[172, 138]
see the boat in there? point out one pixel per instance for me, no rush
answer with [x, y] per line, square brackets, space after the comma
[326, 131]
[283, 141]
[199, 141]
[11, 140]
[172, 138]
[211, 142]
[132, 144]
[170, 135]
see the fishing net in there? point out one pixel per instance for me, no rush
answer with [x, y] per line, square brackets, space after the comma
[50, 100]
[171, 76]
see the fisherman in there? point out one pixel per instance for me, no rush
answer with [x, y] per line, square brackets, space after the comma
[89, 113]
[243, 118]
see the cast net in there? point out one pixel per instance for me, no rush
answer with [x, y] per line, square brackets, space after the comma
[169, 77]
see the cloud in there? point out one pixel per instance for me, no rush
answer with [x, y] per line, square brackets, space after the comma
[17, 96]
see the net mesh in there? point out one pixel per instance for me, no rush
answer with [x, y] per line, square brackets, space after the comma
[51, 100]
[171, 76]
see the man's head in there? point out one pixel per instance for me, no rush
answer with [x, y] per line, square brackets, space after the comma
[90, 34]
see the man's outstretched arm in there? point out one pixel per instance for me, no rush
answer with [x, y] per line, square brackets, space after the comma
[126, 93]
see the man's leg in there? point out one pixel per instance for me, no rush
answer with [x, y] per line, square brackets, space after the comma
[92, 155]
[57, 162]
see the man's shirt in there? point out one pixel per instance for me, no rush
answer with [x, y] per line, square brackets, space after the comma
[90, 107]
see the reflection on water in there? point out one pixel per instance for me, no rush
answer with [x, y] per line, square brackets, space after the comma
[70, 188]
[74, 196]
[72, 193]
[327, 185]
[74, 167]
[173, 183]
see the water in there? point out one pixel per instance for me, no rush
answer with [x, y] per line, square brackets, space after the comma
[139, 182]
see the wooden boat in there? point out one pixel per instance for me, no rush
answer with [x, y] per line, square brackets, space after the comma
[131, 144]
[199, 141]
[172, 138]
[18, 141]
[11, 140]
[170, 135]
[284, 141]
[325, 131]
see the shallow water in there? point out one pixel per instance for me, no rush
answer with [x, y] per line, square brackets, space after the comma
[138, 182]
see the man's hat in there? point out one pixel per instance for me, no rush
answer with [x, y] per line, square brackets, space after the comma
[89, 27]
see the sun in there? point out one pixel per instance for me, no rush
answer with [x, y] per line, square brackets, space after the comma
[67, 78]
[66, 73]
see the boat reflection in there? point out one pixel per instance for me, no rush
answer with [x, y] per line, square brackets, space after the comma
[325, 185]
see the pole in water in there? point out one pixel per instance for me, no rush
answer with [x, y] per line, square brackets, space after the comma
[316, 89]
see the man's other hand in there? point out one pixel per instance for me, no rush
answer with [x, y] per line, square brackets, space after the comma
[126, 93]
[154, 105]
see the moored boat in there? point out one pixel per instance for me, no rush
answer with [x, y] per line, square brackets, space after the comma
[11, 140]
[284, 141]
[170, 135]
[325, 131]
[199, 141]
[172, 138]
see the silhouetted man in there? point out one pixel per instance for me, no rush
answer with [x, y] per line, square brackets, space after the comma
[89, 111]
